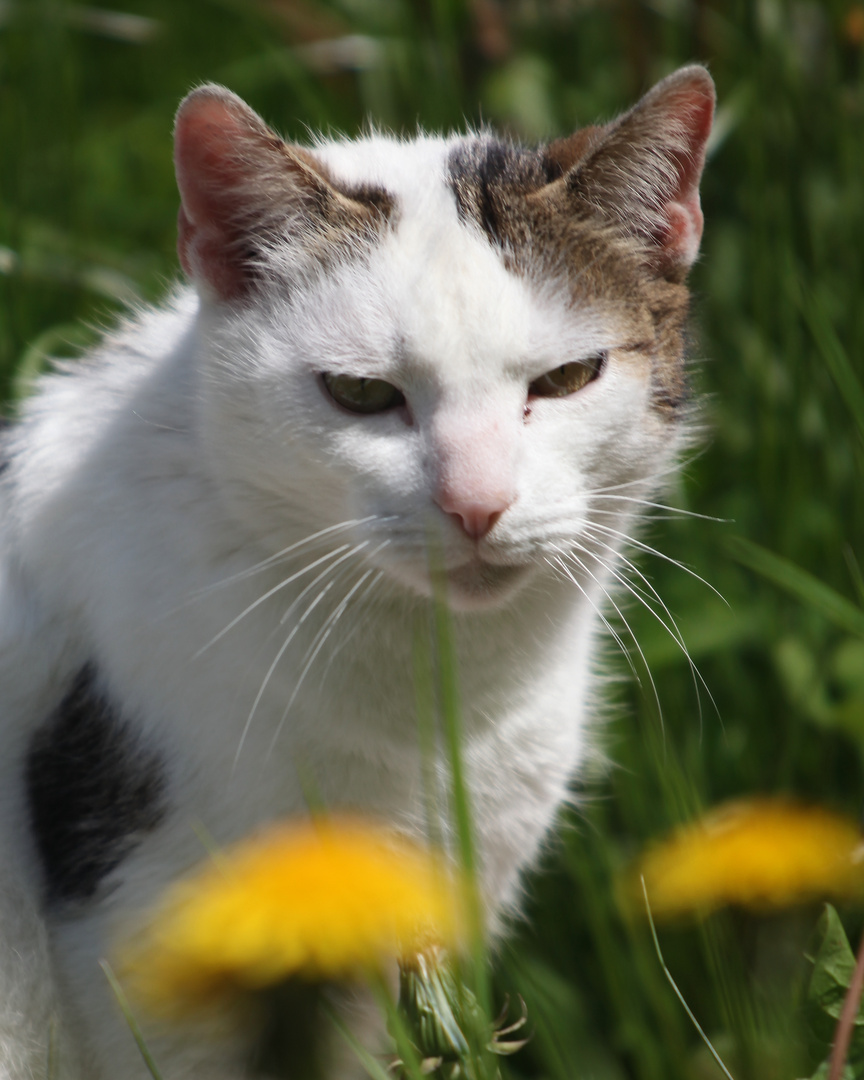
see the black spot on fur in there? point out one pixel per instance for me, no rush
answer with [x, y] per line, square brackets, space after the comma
[93, 791]
[485, 174]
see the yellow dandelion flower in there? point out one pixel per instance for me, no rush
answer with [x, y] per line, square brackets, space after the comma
[316, 900]
[760, 853]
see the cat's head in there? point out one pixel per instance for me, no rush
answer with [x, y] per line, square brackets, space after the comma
[450, 337]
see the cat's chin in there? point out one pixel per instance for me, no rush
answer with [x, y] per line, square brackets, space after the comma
[476, 585]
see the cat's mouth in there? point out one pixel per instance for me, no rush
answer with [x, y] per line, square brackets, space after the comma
[478, 584]
[474, 581]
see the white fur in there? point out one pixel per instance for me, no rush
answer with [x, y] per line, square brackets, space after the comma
[149, 481]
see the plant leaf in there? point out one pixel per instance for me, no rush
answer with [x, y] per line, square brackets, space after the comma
[832, 966]
[799, 583]
[835, 356]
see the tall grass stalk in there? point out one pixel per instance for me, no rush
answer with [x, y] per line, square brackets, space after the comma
[129, 1017]
[476, 977]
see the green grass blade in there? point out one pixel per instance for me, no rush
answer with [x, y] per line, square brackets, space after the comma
[451, 719]
[126, 1009]
[398, 1029]
[51, 1067]
[452, 724]
[835, 356]
[424, 684]
[678, 993]
[373, 1067]
[801, 584]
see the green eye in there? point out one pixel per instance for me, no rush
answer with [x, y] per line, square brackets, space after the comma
[361, 395]
[568, 378]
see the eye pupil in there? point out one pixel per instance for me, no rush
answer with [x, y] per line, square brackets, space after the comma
[566, 379]
[358, 394]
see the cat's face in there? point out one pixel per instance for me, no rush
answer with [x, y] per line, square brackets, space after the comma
[478, 362]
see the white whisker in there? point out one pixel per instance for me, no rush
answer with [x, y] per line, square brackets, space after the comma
[671, 470]
[343, 558]
[675, 511]
[281, 556]
[571, 555]
[557, 563]
[266, 596]
[285, 555]
[347, 637]
[294, 631]
[641, 546]
[316, 647]
[671, 627]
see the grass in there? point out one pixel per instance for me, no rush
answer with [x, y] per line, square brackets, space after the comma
[87, 208]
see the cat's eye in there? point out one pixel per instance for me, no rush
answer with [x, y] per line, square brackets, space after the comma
[568, 378]
[360, 395]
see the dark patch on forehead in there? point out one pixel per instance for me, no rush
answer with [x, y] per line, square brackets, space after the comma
[519, 197]
[94, 791]
[374, 198]
[485, 174]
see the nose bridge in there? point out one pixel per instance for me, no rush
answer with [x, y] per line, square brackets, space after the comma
[474, 453]
[474, 458]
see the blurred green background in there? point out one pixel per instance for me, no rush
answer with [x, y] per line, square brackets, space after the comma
[87, 212]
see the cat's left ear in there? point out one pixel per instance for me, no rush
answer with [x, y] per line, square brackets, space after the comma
[643, 169]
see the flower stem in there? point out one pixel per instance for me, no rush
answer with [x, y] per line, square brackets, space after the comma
[846, 1023]
[292, 1030]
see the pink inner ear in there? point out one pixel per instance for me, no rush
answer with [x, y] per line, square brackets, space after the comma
[683, 231]
[207, 137]
[693, 109]
[216, 135]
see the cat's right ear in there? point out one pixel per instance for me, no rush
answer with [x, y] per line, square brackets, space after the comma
[242, 191]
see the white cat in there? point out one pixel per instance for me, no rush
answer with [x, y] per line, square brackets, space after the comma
[213, 549]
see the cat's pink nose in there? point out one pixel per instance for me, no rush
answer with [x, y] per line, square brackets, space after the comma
[475, 519]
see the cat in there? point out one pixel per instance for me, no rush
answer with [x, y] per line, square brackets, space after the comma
[214, 548]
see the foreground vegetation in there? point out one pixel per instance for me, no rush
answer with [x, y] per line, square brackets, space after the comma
[774, 513]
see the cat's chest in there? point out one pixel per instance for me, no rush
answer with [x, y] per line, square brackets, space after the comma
[220, 709]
